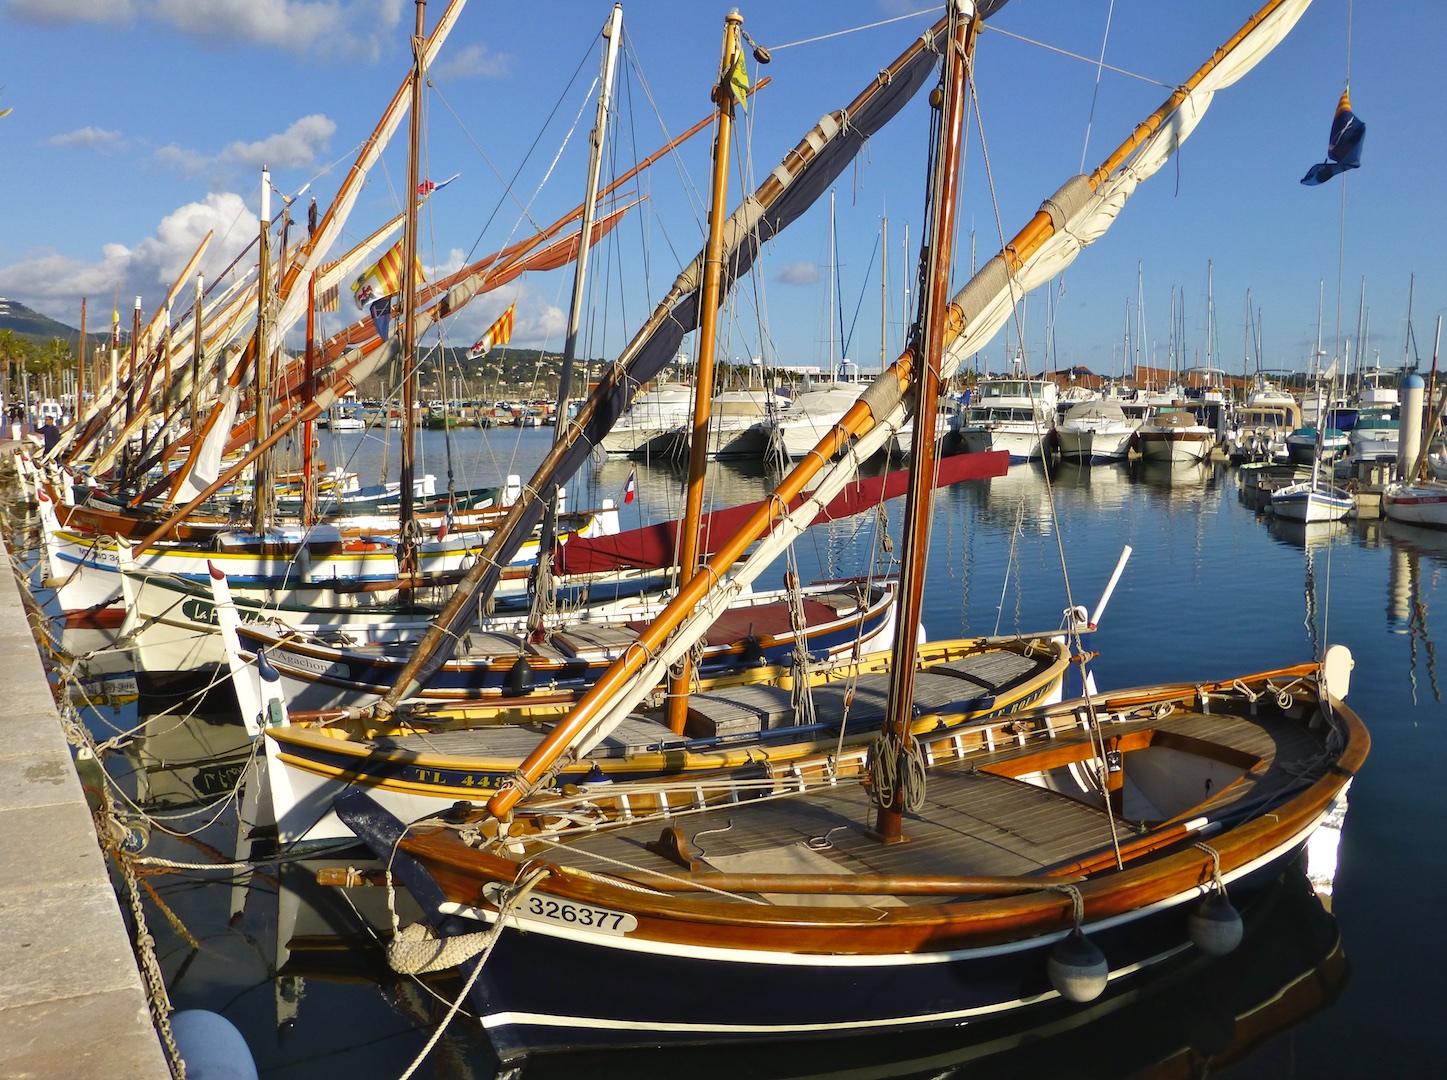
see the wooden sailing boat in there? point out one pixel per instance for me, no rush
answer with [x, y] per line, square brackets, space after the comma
[748, 721]
[1126, 816]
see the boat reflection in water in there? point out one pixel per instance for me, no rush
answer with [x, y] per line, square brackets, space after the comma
[1407, 613]
[1192, 1019]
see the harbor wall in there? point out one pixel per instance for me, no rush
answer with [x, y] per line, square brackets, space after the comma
[72, 1003]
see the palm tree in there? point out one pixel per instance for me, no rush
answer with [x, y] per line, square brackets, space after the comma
[13, 351]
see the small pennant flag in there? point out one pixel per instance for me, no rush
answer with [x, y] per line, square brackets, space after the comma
[739, 82]
[630, 489]
[427, 187]
[381, 312]
[383, 278]
[446, 526]
[499, 333]
[1344, 147]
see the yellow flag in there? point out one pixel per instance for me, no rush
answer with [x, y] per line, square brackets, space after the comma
[739, 82]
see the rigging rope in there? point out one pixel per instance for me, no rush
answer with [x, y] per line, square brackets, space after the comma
[1095, 93]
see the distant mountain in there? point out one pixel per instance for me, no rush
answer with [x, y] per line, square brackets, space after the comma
[35, 326]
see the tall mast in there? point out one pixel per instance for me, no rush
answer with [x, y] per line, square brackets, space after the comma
[196, 350]
[613, 35]
[407, 537]
[261, 493]
[1210, 317]
[884, 295]
[929, 336]
[680, 682]
[308, 482]
[133, 365]
[1361, 344]
[80, 366]
[834, 371]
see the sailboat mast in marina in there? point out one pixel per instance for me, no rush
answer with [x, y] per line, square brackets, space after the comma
[261, 490]
[613, 38]
[407, 329]
[895, 747]
[724, 95]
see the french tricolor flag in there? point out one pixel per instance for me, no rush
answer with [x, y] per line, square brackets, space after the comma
[630, 489]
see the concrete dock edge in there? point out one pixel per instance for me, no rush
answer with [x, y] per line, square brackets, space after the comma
[72, 1003]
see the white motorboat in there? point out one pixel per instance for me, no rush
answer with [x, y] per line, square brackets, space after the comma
[796, 430]
[1096, 431]
[649, 421]
[1014, 415]
[1175, 436]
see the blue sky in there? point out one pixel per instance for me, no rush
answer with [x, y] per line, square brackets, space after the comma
[139, 124]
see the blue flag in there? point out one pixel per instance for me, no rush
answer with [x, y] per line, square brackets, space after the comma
[1344, 148]
[381, 312]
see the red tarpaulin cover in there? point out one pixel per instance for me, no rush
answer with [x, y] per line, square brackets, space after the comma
[653, 546]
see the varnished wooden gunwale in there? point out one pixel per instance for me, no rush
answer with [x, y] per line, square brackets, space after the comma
[1156, 876]
[295, 743]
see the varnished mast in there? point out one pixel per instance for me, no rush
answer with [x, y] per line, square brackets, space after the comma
[706, 347]
[407, 331]
[930, 337]
[261, 494]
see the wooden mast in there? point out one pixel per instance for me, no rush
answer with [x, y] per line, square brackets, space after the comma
[261, 495]
[723, 93]
[407, 340]
[132, 366]
[308, 482]
[196, 350]
[80, 366]
[919, 501]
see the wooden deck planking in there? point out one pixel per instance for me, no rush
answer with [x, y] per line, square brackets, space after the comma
[973, 823]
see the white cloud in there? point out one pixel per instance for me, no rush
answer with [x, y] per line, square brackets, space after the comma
[475, 60]
[800, 273]
[188, 163]
[456, 260]
[356, 28]
[54, 283]
[329, 27]
[91, 138]
[70, 11]
[287, 24]
[295, 148]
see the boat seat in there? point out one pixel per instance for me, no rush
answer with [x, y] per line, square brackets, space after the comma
[589, 641]
[989, 670]
[743, 710]
[491, 643]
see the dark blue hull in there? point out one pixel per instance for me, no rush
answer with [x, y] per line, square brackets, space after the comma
[539, 993]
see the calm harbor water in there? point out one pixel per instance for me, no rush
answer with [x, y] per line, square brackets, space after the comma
[1212, 589]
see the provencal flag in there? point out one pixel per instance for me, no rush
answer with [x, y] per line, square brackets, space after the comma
[1343, 147]
[383, 278]
[499, 333]
[739, 81]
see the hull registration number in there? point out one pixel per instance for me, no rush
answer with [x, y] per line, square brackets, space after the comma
[568, 913]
